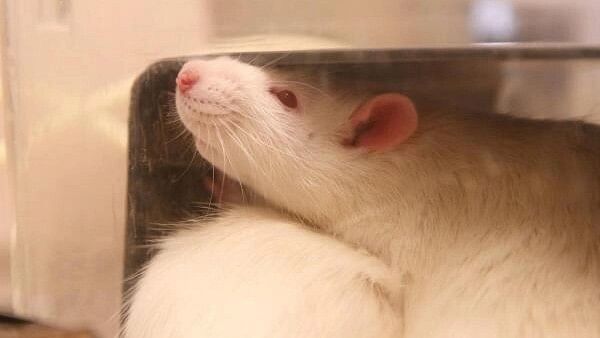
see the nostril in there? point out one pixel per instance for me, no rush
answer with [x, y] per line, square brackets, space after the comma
[187, 79]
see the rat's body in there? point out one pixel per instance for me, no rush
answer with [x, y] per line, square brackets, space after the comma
[496, 219]
[255, 273]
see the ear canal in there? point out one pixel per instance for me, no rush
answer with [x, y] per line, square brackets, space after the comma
[383, 122]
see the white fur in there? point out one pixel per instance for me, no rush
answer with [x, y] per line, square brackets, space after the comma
[496, 219]
[254, 273]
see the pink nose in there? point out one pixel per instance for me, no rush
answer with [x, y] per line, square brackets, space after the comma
[187, 79]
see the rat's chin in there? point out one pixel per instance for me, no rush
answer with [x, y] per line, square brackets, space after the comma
[200, 121]
[196, 125]
[207, 151]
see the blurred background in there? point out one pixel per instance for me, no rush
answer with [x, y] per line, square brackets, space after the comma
[67, 67]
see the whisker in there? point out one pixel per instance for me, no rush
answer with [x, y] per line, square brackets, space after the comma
[212, 155]
[259, 142]
[178, 136]
[187, 168]
[220, 139]
[251, 62]
[274, 61]
[240, 143]
[307, 85]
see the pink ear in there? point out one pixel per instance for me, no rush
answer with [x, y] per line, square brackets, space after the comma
[383, 122]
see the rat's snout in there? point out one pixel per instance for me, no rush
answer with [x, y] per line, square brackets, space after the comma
[186, 79]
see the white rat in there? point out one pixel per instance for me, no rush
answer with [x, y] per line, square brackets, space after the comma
[496, 218]
[255, 273]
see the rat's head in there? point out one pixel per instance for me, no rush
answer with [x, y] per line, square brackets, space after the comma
[290, 132]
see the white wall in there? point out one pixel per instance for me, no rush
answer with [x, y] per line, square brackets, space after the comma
[70, 78]
[6, 210]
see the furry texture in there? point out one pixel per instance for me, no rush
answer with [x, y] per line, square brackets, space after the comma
[254, 273]
[495, 218]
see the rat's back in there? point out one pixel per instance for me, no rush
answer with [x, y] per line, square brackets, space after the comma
[518, 253]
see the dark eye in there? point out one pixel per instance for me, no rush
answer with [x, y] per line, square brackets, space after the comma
[286, 97]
